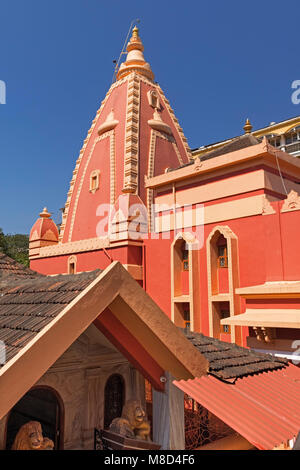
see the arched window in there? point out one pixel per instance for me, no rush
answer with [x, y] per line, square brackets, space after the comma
[185, 256]
[40, 404]
[222, 252]
[114, 398]
[94, 181]
[72, 262]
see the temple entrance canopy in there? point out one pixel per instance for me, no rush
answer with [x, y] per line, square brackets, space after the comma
[64, 306]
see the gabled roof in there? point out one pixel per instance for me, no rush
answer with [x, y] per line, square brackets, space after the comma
[41, 318]
[227, 361]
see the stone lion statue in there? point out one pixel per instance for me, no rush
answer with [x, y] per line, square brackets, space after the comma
[133, 423]
[30, 437]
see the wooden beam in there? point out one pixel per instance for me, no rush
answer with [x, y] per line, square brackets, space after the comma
[129, 346]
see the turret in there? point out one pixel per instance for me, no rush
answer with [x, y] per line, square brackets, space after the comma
[43, 233]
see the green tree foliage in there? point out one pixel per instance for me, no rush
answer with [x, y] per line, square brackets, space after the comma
[3, 242]
[15, 246]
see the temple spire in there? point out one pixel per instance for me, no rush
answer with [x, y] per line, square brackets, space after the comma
[135, 61]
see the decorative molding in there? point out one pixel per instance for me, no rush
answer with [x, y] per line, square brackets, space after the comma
[188, 237]
[112, 160]
[158, 124]
[91, 244]
[197, 164]
[109, 124]
[177, 153]
[131, 151]
[224, 230]
[292, 202]
[267, 208]
[150, 174]
[265, 144]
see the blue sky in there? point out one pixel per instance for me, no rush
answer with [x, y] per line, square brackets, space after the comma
[218, 63]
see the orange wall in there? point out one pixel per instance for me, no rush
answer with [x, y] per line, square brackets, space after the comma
[88, 261]
[290, 227]
[268, 250]
[252, 243]
[223, 280]
[158, 272]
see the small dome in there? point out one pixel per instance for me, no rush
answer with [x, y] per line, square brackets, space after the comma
[44, 228]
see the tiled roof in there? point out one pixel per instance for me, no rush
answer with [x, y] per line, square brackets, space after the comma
[238, 143]
[228, 361]
[28, 305]
[8, 266]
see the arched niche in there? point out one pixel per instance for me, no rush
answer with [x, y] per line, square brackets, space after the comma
[114, 398]
[42, 404]
[185, 288]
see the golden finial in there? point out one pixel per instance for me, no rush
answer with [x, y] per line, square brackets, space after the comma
[135, 61]
[248, 127]
[135, 41]
[135, 32]
[45, 214]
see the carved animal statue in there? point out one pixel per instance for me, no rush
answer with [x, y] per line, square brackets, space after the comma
[133, 423]
[30, 437]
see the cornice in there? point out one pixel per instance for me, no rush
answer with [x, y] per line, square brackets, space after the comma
[91, 244]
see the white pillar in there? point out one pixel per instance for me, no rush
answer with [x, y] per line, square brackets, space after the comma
[168, 416]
